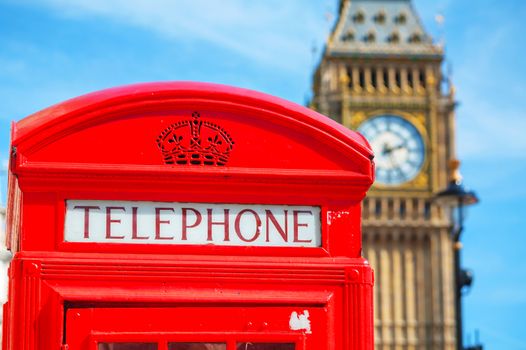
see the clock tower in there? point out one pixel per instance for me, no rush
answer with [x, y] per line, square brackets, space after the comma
[381, 74]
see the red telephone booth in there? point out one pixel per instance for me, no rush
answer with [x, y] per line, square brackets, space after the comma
[186, 216]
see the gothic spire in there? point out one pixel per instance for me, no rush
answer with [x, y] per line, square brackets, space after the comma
[380, 27]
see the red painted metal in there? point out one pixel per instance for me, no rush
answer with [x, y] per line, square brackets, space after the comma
[112, 145]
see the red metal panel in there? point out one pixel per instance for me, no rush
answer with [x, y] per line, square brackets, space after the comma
[51, 283]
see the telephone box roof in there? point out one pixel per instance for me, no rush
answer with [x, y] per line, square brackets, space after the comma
[32, 128]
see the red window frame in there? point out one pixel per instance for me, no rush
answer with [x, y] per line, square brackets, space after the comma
[87, 327]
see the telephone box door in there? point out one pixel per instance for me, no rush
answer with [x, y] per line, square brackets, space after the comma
[197, 328]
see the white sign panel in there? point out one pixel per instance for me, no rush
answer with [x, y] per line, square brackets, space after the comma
[127, 222]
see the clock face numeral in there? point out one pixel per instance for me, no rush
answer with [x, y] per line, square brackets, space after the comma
[398, 148]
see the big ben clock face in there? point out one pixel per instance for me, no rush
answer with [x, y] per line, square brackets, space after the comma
[398, 148]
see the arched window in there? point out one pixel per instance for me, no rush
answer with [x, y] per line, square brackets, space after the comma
[349, 77]
[378, 208]
[385, 75]
[369, 37]
[401, 18]
[374, 78]
[410, 80]
[380, 17]
[348, 35]
[398, 79]
[422, 77]
[402, 209]
[394, 38]
[359, 17]
[361, 76]
[415, 38]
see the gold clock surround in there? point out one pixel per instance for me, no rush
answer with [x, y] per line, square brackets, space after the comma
[421, 181]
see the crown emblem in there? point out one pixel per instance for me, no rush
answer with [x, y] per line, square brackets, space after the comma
[195, 142]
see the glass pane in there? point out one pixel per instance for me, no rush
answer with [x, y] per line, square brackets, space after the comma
[266, 346]
[196, 346]
[127, 346]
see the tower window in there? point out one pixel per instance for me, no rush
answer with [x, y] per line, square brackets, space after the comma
[374, 79]
[402, 209]
[369, 37]
[415, 38]
[415, 205]
[401, 18]
[422, 77]
[427, 210]
[380, 17]
[394, 38]
[359, 17]
[349, 78]
[398, 79]
[378, 208]
[348, 36]
[361, 76]
[390, 208]
[410, 80]
[385, 75]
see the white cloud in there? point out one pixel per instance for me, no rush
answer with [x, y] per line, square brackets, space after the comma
[271, 32]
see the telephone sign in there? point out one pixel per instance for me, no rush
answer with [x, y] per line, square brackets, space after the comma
[192, 223]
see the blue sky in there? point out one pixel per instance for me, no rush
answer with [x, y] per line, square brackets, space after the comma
[52, 50]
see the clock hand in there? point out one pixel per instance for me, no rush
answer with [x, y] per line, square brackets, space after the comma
[402, 145]
[385, 149]
[389, 149]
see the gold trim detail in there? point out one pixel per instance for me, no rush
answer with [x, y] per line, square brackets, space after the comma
[431, 81]
[357, 118]
[419, 182]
